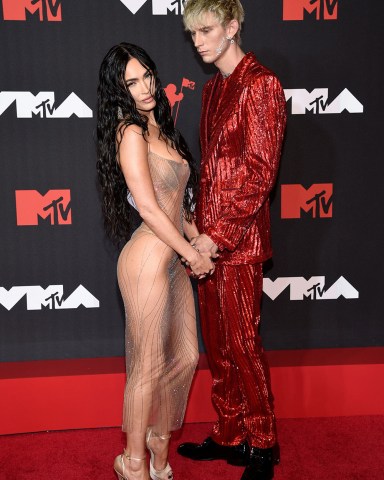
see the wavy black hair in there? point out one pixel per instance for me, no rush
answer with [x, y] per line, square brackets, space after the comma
[116, 111]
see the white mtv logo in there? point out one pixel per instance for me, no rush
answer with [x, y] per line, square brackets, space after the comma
[51, 297]
[159, 7]
[314, 288]
[43, 105]
[317, 101]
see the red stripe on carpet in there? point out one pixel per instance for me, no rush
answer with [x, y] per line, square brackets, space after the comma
[87, 393]
[311, 449]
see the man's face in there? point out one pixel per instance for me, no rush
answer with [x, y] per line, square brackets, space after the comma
[209, 38]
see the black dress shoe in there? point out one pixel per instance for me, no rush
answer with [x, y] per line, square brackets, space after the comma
[276, 454]
[261, 464]
[210, 450]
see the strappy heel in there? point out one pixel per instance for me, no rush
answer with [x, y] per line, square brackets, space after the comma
[119, 462]
[164, 474]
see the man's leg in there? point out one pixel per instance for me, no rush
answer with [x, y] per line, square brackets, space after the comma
[229, 433]
[242, 307]
[226, 395]
[241, 311]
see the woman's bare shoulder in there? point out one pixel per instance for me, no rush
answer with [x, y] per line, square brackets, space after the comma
[127, 132]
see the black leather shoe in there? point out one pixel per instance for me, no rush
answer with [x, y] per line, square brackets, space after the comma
[210, 450]
[276, 454]
[261, 464]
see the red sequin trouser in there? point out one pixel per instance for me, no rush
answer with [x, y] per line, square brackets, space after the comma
[241, 392]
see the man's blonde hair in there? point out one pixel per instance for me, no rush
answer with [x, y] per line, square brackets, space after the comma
[224, 10]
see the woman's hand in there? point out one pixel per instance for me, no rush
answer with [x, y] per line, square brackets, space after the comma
[203, 243]
[202, 264]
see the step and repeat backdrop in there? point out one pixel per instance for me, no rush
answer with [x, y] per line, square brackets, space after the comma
[58, 292]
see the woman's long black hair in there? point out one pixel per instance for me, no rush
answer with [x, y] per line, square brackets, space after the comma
[117, 107]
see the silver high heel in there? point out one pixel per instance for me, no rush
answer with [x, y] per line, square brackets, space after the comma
[119, 462]
[164, 474]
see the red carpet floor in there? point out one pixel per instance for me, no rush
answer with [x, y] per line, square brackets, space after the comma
[342, 448]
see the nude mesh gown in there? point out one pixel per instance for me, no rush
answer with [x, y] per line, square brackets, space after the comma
[161, 341]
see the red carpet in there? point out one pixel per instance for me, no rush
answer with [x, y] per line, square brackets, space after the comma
[342, 448]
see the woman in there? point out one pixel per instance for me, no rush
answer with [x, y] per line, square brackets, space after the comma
[142, 155]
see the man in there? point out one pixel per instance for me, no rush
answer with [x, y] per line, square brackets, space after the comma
[241, 133]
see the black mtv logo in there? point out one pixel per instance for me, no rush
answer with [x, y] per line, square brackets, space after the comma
[58, 211]
[321, 206]
[319, 104]
[316, 291]
[54, 299]
[325, 9]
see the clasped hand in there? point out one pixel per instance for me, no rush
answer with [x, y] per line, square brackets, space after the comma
[202, 243]
[207, 250]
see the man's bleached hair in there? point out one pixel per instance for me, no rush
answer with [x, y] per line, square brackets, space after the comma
[224, 10]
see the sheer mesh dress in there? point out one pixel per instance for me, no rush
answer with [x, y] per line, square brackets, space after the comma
[160, 338]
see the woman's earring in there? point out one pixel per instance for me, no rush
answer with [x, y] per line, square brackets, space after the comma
[230, 39]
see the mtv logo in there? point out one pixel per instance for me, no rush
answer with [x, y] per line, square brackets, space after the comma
[159, 7]
[49, 10]
[322, 9]
[51, 297]
[55, 205]
[43, 105]
[317, 200]
[313, 289]
[317, 102]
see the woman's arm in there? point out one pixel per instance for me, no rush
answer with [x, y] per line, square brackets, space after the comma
[133, 159]
[190, 229]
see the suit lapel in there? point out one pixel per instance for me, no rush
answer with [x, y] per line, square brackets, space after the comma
[206, 108]
[226, 103]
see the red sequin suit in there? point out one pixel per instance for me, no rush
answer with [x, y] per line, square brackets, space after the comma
[242, 126]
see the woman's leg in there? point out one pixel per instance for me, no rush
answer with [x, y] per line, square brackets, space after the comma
[144, 287]
[181, 357]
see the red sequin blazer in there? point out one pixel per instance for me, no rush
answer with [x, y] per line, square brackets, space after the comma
[241, 133]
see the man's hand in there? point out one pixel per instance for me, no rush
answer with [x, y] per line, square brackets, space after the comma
[204, 244]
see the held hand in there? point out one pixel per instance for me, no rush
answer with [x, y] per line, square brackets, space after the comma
[202, 265]
[204, 244]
